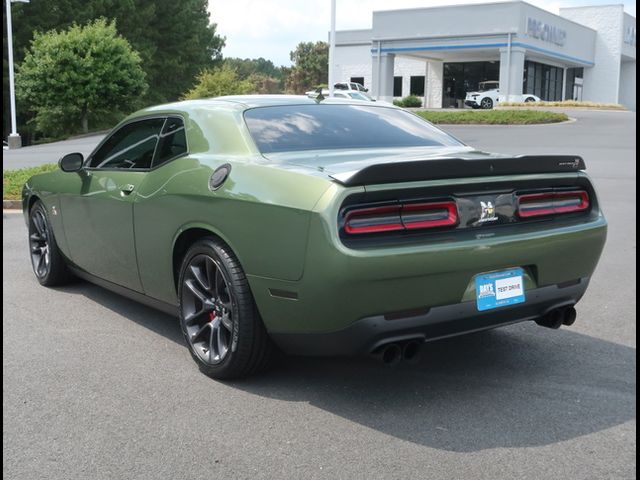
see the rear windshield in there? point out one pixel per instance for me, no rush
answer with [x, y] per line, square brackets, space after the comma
[328, 127]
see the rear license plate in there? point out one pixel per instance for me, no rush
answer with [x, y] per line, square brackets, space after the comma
[500, 289]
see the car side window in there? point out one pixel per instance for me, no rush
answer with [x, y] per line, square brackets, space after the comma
[173, 141]
[132, 146]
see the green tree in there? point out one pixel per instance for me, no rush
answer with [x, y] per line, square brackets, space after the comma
[310, 67]
[184, 44]
[245, 67]
[264, 84]
[219, 81]
[262, 73]
[175, 39]
[78, 73]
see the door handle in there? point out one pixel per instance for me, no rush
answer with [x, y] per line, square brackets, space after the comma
[127, 189]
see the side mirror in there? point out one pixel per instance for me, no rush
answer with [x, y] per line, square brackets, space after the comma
[72, 162]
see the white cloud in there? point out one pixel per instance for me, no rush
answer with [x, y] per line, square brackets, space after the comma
[272, 28]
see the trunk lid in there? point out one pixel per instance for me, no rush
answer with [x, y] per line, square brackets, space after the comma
[380, 166]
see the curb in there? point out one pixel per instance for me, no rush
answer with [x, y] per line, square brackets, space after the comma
[11, 205]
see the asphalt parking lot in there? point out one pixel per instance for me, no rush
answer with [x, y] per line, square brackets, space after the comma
[97, 386]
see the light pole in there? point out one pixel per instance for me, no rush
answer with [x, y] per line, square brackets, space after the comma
[332, 48]
[14, 140]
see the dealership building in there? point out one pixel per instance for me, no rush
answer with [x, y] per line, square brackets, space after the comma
[440, 53]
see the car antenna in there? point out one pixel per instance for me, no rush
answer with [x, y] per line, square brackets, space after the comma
[319, 97]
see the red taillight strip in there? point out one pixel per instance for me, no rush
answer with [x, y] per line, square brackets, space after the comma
[552, 209]
[402, 222]
[388, 227]
[451, 219]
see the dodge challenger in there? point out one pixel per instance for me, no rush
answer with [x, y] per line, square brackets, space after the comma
[334, 227]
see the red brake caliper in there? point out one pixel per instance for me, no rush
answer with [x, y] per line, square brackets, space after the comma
[212, 316]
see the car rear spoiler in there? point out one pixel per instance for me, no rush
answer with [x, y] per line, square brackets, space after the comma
[442, 168]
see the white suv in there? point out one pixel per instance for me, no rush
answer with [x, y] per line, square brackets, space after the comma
[349, 86]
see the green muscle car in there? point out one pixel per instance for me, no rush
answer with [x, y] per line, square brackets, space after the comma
[311, 227]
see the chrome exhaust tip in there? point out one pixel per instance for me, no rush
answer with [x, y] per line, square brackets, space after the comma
[411, 351]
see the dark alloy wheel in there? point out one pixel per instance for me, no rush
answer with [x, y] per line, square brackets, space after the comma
[218, 316]
[39, 243]
[49, 265]
[486, 103]
[207, 310]
[529, 100]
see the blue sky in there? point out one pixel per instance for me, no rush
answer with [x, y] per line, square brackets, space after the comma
[272, 28]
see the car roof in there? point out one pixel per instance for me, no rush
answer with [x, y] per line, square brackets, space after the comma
[243, 102]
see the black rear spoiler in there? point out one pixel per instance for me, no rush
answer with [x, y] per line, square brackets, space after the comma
[441, 168]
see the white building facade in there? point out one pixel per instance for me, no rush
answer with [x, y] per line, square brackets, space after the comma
[440, 53]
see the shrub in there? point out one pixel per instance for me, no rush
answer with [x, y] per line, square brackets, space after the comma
[68, 77]
[493, 117]
[219, 81]
[13, 180]
[566, 104]
[411, 102]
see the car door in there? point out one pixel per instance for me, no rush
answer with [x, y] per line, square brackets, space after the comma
[98, 220]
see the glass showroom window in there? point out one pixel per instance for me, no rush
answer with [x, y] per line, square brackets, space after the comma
[543, 80]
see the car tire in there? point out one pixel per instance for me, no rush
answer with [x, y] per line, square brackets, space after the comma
[47, 261]
[486, 103]
[529, 100]
[218, 315]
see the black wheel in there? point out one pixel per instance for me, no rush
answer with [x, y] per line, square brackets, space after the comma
[529, 99]
[486, 103]
[218, 316]
[47, 261]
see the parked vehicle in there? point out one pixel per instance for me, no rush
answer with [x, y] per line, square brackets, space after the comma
[350, 86]
[351, 95]
[319, 228]
[488, 96]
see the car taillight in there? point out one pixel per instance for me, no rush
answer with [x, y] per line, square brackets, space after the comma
[552, 203]
[393, 218]
[373, 220]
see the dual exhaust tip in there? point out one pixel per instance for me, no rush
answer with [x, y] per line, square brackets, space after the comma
[558, 317]
[391, 354]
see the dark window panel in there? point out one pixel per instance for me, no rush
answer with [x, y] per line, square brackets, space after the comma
[397, 86]
[417, 86]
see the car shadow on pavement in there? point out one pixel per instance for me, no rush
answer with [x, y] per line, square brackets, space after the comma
[154, 320]
[520, 386]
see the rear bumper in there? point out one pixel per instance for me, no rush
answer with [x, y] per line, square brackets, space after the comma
[365, 335]
[342, 286]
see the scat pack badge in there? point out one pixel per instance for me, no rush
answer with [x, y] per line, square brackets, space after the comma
[487, 213]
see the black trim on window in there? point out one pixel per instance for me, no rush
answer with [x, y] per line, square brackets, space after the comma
[129, 122]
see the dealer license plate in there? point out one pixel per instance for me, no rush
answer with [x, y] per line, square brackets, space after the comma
[500, 289]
